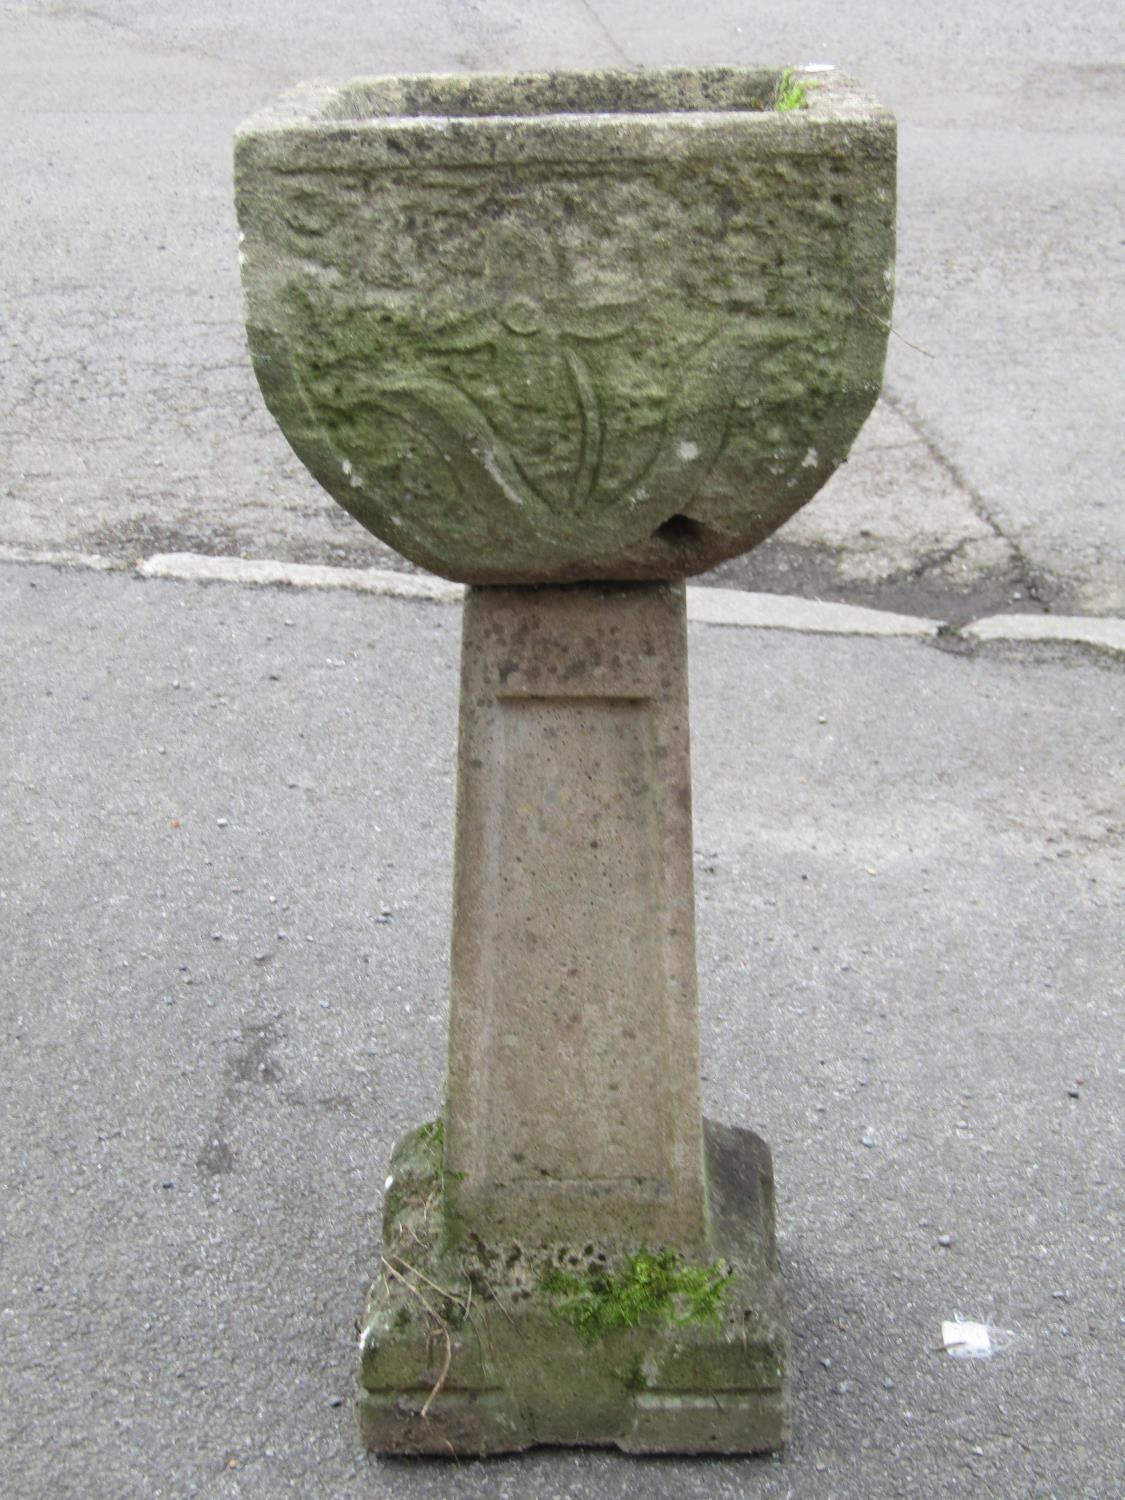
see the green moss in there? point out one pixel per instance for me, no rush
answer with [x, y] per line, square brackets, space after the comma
[790, 93]
[645, 1288]
[418, 1206]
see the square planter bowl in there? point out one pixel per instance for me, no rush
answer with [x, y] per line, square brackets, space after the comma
[566, 326]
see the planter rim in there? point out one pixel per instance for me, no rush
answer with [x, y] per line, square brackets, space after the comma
[666, 97]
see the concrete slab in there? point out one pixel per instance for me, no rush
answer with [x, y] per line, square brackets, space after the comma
[719, 606]
[195, 567]
[1106, 634]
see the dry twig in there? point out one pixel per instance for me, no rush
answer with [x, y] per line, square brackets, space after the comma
[891, 329]
[441, 1323]
[414, 1271]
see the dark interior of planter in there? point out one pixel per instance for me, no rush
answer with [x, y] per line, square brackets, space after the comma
[670, 91]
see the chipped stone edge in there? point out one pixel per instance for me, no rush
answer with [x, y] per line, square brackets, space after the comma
[705, 606]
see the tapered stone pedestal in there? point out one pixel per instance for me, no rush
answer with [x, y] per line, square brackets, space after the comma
[572, 1137]
[573, 1042]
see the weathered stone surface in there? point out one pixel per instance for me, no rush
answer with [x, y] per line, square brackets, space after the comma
[573, 1053]
[559, 327]
[464, 1351]
[571, 1167]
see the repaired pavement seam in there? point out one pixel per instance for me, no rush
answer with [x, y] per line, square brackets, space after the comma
[1105, 633]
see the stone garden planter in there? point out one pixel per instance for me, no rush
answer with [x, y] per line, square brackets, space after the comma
[570, 338]
[562, 327]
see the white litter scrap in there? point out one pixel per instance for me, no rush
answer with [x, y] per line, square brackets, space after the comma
[967, 1340]
[961, 1340]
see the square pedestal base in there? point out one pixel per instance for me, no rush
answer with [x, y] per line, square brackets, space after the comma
[467, 1350]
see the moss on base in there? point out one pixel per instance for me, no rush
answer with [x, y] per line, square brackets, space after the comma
[644, 1288]
[464, 1349]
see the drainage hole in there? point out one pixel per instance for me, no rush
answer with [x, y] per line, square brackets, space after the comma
[678, 529]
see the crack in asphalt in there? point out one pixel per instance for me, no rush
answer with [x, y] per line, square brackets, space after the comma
[89, 15]
[609, 36]
[1031, 582]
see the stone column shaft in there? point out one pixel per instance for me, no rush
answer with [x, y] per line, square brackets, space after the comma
[573, 1111]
